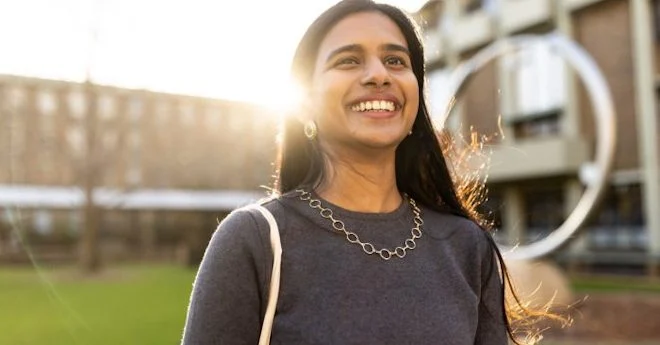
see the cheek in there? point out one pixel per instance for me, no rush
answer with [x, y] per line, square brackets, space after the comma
[412, 93]
[328, 98]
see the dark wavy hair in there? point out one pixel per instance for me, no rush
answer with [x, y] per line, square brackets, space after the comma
[422, 171]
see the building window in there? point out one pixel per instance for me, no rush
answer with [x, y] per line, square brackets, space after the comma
[135, 108]
[134, 173]
[43, 222]
[542, 125]
[106, 106]
[619, 224]
[46, 102]
[17, 97]
[656, 19]
[75, 136]
[75, 223]
[187, 113]
[545, 212]
[470, 6]
[163, 109]
[537, 79]
[77, 103]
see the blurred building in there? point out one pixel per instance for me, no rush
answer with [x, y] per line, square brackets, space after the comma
[144, 141]
[538, 117]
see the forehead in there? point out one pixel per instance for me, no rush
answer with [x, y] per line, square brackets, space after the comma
[364, 28]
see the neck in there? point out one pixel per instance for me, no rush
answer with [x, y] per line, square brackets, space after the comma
[361, 185]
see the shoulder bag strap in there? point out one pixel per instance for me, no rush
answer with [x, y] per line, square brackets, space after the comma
[274, 291]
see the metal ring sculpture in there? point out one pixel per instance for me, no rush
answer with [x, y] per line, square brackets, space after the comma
[604, 114]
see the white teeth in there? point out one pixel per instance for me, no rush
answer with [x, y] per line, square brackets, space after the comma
[374, 105]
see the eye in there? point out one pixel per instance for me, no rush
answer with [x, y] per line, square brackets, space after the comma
[344, 61]
[396, 61]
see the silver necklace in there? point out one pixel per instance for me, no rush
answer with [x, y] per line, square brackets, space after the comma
[384, 253]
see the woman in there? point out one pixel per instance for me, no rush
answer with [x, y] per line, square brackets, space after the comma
[378, 245]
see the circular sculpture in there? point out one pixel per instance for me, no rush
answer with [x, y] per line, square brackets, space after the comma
[604, 114]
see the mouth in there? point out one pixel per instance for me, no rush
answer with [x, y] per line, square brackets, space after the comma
[375, 106]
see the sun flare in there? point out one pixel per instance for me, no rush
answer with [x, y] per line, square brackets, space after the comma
[217, 49]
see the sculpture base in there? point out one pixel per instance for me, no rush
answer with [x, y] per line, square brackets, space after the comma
[541, 282]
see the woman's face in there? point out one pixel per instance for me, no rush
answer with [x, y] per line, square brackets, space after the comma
[364, 92]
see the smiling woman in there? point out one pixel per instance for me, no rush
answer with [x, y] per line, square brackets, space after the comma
[379, 245]
[353, 78]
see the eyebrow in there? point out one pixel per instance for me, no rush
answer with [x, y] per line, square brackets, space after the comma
[396, 48]
[344, 49]
[358, 48]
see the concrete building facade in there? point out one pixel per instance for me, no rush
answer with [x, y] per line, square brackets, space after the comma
[537, 117]
[143, 141]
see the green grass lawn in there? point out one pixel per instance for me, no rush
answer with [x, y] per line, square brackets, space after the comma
[129, 305]
[615, 284]
[140, 305]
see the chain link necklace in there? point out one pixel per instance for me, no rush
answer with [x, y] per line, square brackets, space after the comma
[352, 237]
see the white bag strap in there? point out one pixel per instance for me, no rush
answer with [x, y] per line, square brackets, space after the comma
[267, 327]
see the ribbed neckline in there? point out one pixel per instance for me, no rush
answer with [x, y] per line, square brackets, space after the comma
[343, 213]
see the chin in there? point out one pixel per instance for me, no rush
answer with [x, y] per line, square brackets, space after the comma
[382, 142]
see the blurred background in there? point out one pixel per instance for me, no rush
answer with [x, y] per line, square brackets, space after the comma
[128, 129]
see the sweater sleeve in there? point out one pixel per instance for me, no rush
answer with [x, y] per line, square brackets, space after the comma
[491, 329]
[226, 302]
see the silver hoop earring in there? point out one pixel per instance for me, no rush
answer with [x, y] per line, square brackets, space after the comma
[310, 130]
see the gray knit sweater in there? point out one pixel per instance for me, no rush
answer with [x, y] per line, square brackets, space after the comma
[445, 291]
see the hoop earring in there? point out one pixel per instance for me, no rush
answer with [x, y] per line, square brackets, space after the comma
[310, 130]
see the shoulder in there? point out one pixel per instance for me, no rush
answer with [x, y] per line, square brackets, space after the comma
[248, 221]
[244, 226]
[459, 232]
[447, 225]
[470, 245]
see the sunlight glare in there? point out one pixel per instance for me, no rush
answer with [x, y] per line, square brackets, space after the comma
[286, 100]
[221, 50]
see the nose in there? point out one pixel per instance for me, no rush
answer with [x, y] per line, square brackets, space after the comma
[376, 74]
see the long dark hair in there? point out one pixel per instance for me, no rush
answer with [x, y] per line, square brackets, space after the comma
[422, 171]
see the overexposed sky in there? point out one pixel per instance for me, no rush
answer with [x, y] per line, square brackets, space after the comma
[232, 49]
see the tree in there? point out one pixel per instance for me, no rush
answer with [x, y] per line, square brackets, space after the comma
[89, 249]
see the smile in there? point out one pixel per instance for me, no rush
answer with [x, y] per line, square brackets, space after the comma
[375, 105]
